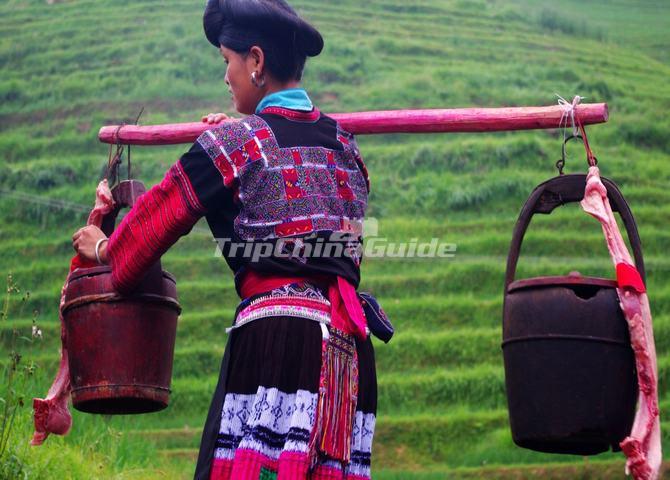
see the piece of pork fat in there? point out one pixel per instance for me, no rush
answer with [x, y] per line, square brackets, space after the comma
[643, 446]
[51, 414]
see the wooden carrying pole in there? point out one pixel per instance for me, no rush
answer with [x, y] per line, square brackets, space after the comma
[391, 121]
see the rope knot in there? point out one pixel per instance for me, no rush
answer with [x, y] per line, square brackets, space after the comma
[569, 111]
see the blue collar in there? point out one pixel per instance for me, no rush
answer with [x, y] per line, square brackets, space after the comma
[292, 98]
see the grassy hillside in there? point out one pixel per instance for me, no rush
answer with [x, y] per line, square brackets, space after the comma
[72, 66]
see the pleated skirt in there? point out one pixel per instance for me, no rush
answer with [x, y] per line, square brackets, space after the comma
[267, 402]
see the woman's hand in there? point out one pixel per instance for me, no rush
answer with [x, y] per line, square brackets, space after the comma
[216, 118]
[84, 240]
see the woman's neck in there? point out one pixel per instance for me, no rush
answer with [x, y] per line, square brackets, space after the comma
[273, 87]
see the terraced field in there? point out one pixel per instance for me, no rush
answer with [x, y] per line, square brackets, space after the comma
[70, 67]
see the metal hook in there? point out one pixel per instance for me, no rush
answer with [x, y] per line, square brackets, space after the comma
[112, 171]
[561, 163]
[115, 161]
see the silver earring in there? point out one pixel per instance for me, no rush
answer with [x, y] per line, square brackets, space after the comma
[254, 80]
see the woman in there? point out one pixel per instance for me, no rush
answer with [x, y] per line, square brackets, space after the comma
[284, 191]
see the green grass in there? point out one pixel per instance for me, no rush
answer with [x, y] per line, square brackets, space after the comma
[72, 66]
[94, 449]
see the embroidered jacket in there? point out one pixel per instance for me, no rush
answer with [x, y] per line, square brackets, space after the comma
[287, 178]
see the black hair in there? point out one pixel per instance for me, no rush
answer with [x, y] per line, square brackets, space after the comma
[285, 38]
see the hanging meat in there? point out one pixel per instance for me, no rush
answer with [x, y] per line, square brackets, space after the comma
[51, 414]
[643, 446]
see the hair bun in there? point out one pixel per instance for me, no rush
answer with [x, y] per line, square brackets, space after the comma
[213, 21]
[310, 40]
[274, 17]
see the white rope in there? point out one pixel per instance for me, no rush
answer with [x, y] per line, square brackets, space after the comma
[568, 113]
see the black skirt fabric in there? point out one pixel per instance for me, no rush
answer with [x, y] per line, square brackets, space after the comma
[262, 414]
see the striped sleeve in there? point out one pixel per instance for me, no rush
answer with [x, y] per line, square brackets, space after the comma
[161, 216]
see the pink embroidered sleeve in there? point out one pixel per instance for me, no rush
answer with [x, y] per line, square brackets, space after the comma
[158, 219]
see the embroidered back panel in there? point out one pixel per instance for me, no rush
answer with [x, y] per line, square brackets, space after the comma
[288, 191]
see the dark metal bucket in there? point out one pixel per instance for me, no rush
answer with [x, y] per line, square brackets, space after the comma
[120, 348]
[569, 367]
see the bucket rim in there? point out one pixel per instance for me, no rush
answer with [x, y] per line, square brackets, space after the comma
[114, 297]
[102, 269]
[561, 280]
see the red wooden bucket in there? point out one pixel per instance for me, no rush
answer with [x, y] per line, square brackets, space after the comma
[120, 348]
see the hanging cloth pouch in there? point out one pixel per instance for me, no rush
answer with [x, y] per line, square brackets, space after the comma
[378, 323]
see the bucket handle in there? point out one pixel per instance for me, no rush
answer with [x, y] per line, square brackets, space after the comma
[569, 189]
[125, 195]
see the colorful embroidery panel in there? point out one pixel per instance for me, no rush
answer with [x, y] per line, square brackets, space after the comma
[296, 190]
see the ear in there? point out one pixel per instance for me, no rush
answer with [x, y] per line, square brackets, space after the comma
[257, 58]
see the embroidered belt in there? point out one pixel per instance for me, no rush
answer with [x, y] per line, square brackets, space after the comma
[294, 300]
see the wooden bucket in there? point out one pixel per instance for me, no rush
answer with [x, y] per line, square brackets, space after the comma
[120, 348]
